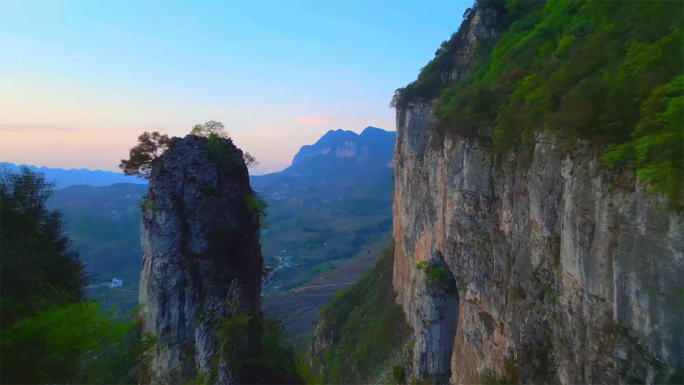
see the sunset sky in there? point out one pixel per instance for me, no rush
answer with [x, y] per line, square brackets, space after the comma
[81, 80]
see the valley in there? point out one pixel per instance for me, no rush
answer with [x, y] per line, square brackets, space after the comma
[328, 218]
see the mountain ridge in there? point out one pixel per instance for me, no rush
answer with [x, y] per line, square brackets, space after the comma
[72, 177]
[339, 152]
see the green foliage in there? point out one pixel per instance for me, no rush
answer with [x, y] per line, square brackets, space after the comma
[253, 348]
[608, 72]
[49, 334]
[209, 128]
[399, 374]
[37, 260]
[145, 204]
[141, 157]
[279, 357]
[367, 326]
[436, 274]
[215, 131]
[258, 206]
[219, 149]
[321, 268]
[304, 371]
[218, 130]
[74, 342]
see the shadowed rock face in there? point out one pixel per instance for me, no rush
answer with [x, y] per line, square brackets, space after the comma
[200, 245]
[434, 320]
[564, 272]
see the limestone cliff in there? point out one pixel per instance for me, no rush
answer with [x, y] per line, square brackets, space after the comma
[201, 254]
[563, 272]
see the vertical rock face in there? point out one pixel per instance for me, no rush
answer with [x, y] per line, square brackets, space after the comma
[563, 272]
[434, 319]
[200, 250]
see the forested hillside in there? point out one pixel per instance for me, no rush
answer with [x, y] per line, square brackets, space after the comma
[362, 336]
[50, 332]
[607, 72]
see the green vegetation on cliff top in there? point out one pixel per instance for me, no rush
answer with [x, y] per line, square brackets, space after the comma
[609, 72]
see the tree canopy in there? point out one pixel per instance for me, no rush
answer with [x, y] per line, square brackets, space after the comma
[150, 147]
[250, 161]
[37, 261]
[211, 127]
[50, 334]
[214, 127]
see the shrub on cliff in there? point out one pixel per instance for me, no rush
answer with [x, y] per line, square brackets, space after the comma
[436, 274]
[215, 130]
[253, 349]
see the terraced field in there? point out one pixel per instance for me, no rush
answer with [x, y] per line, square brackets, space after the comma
[299, 308]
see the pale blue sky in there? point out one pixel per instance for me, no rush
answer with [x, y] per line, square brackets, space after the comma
[81, 79]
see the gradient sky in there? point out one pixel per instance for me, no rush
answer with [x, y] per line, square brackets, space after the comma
[80, 80]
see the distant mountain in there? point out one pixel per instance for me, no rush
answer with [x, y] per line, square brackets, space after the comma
[326, 212]
[72, 177]
[340, 153]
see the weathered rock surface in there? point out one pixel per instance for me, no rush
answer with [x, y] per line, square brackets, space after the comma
[200, 245]
[564, 272]
[434, 320]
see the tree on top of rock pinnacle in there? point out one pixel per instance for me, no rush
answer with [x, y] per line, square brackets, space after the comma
[150, 147]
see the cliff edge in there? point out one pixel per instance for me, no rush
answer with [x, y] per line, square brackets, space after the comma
[537, 215]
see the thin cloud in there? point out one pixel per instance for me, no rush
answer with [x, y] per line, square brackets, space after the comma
[37, 127]
[313, 119]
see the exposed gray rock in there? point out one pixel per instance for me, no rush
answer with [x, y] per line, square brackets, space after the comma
[565, 272]
[434, 320]
[199, 236]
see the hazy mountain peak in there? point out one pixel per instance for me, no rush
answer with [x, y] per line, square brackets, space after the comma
[342, 151]
[71, 177]
[370, 130]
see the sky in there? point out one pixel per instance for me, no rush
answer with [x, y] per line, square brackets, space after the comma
[80, 80]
